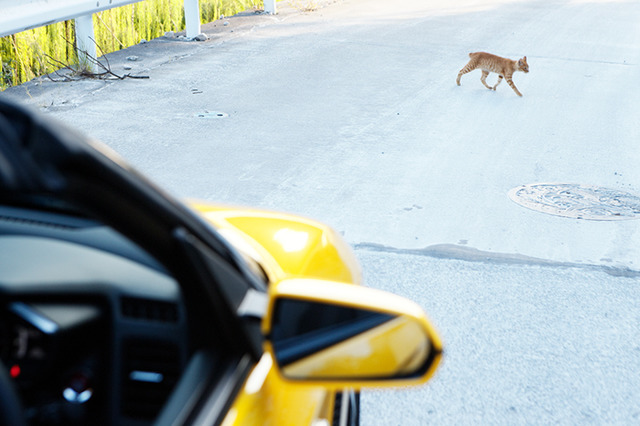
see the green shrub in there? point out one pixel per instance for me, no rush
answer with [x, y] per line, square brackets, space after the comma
[25, 55]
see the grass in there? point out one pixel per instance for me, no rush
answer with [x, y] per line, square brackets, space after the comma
[25, 55]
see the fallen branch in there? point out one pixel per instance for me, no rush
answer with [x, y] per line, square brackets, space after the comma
[84, 72]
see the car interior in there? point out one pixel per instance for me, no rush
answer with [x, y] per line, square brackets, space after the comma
[108, 334]
[96, 328]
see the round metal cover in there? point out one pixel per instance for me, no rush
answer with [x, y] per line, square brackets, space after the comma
[578, 201]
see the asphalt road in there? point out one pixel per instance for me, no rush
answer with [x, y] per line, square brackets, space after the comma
[350, 114]
[524, 344]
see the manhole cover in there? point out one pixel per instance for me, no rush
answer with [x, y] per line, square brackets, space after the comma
[577, 201]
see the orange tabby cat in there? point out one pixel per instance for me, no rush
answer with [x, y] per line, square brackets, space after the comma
[492, 63]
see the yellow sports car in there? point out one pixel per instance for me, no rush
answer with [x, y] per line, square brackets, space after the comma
[121, 306]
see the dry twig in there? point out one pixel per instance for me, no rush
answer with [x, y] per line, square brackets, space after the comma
[84, 72]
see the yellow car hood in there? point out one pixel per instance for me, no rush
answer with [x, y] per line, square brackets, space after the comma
[284, 245]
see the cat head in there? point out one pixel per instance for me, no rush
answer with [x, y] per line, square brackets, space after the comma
[522, 64]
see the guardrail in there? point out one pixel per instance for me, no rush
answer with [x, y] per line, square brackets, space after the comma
[21, 15]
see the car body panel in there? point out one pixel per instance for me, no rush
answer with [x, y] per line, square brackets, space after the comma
[293, 251]
[268, 400]
[285, 245]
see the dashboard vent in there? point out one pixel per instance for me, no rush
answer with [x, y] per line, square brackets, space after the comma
[149, 310]
[150, 371]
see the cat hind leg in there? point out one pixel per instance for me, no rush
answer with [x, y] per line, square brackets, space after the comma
[460, 74]
[483, 79]
[463, 71]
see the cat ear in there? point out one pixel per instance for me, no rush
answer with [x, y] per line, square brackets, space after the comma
[525, 59]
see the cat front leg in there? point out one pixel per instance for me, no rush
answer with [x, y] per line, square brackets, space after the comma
[483, 79]
[513, 86]
[498, 82]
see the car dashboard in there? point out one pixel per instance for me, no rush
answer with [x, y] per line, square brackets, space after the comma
[92, 330]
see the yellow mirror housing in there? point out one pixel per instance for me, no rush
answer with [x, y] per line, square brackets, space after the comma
[324, 332]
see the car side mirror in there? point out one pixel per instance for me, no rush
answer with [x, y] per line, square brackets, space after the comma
[326, 333]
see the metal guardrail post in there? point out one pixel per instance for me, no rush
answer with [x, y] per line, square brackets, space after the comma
[85, 42]
[192, 17]
[270, 6]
